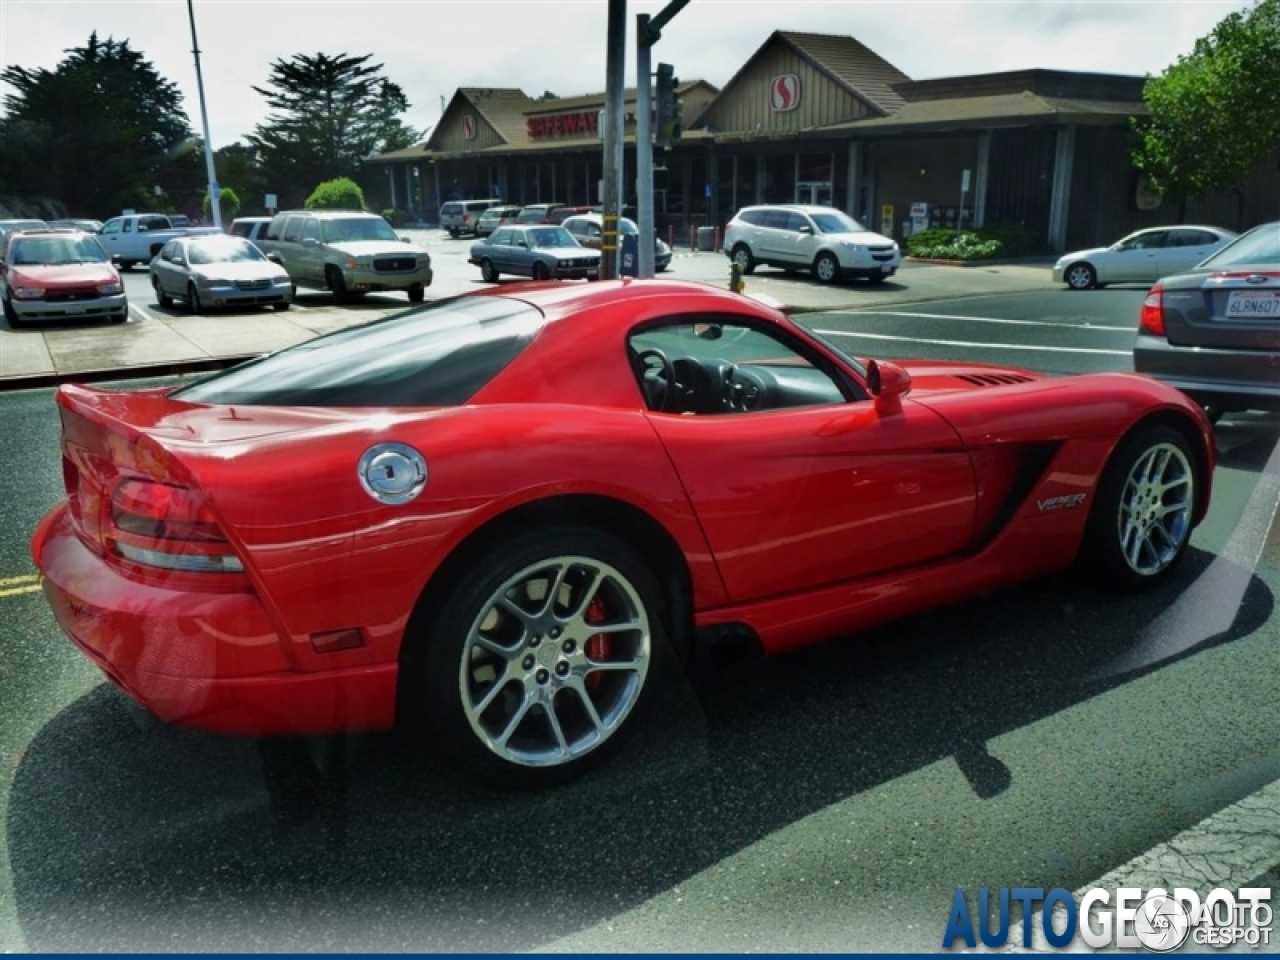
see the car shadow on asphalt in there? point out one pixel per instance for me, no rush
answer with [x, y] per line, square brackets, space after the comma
[128, 834]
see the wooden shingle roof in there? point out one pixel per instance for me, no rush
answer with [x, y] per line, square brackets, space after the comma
[503, 108]
[851, 64]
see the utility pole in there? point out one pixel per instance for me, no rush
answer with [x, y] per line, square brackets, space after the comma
[215, 192]
[644, 149]
[614, 126]
[648, 32]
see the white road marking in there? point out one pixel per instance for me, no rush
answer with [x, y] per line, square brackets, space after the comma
[970, 344]
[1002, 320]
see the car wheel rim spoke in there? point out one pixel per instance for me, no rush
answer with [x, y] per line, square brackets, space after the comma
[1155, 511]
[555, 661]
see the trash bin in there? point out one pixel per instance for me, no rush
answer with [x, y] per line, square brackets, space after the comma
[629, 256]
[706, 239]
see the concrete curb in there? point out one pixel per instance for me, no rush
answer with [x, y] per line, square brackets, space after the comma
[142, 371]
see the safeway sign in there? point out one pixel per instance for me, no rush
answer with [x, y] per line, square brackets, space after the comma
[784, 93]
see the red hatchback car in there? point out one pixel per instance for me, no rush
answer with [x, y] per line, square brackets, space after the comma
[486, 516]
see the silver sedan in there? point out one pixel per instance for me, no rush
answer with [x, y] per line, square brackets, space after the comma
[543, 252]
[218, 271]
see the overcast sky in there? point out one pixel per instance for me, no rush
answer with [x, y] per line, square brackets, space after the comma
[431, 47]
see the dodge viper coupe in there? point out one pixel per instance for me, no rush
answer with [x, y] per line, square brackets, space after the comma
[482, 519]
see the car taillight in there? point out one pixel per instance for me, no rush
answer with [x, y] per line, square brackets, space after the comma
[168, 526]
[1151, 320]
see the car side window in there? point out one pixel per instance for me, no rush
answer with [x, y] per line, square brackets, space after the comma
[311, 229]
[776, 219]
[753, 217]
[500, 238]
[275, 229]
[796, 222]
[126, 226]
[293, 228]
[111, 226]
[722, 365]
[1190, 238]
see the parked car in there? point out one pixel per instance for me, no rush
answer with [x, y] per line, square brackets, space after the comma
[540, 252]
[137, 237]
[10, 227]
[495, 217]
[252, 229]
[493, 519]
[346, 251]
[461, 216]
[1141, 257]
[561, 214]
[57, 274]
[537, 213]
[588, 230]
[218, 271]
[88, 226]
[1214, 332]
[824, 240]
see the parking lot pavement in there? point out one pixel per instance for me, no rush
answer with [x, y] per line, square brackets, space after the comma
[160, 341]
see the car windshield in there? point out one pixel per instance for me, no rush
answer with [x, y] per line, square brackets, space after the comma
[836, 222]
[222, 250]
[439, 355]
[1259, 245]
[551, 237]
[56, 251]
[358, 228]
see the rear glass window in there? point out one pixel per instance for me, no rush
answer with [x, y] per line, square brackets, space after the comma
[451, 208]
[440, 355]
[1260, 245]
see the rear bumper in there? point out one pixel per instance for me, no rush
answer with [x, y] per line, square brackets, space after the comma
[213, 661]
[1230, 379]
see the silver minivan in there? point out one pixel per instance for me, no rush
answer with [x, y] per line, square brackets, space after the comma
[461, 216]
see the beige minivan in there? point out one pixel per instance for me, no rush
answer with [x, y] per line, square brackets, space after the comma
[461, 216]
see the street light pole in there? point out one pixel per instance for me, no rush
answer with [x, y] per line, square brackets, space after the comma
[614, 129]
[215, 192]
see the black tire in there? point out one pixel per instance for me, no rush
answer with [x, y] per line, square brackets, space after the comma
[11, 314]
[826, 268]
[162, 298]
[281, 306]
[540, 271]
[337, 283]
[417, 293]
[488, 273]
[1139, 528]
[193, 299]
[453, 233]
[121, 317]
[548, 655]
[124, 265]
[742, 257]
[1080, 276]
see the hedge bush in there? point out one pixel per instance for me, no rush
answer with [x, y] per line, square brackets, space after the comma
[993, 240]
[396, 217]
[340, 194]
[228, 204]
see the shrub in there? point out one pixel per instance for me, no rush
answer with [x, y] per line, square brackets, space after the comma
[944, 244]
[228, 204]
[1017, 240]
[397, 218]
[340, 194]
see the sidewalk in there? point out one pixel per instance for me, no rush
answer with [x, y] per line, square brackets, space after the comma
[157, 342]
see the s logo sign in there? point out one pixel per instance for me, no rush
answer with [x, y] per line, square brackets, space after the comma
[784, 93]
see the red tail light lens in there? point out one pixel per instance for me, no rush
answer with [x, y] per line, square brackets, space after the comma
[168, 526]
[1151, 320]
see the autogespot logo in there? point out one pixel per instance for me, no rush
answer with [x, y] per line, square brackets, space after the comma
[1154, 919]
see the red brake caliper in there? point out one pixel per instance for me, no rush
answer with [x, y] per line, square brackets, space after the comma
[597, 644]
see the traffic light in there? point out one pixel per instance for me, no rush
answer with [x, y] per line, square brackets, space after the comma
[668, 112]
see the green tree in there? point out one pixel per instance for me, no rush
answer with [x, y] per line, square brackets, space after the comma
[239, 166]
[228, 204]
[99, 132]
[1215, 113]
[340, 194]
[328, 116]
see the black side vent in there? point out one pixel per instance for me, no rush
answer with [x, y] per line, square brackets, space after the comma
[992, 379]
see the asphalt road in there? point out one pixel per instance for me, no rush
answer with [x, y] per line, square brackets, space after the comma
[832, 800]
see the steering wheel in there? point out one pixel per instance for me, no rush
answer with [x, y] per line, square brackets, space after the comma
[656, 369]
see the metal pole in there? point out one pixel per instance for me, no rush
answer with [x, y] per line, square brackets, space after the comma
[644, 149]
[616, 52]
[215, 192]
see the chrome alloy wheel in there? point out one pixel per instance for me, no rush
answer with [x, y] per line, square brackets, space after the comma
[555, 661]
[1155, 509]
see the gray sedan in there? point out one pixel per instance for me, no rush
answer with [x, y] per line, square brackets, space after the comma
[543, 252]
[1214, 333]
[216, 270]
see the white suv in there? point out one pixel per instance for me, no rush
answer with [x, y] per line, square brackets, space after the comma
[822, 239]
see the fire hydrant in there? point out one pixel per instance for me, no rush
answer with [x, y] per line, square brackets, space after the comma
[736, 283]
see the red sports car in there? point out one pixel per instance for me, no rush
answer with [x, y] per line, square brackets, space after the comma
[484, 516]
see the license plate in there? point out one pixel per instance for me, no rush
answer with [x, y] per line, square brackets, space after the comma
[1248, 304]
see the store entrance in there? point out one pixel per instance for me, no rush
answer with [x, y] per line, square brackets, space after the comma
[814, 192]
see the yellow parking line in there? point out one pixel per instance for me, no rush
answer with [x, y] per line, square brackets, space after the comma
[25, 578]
[35, 587]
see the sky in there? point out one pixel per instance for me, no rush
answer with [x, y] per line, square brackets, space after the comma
[432, 47]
